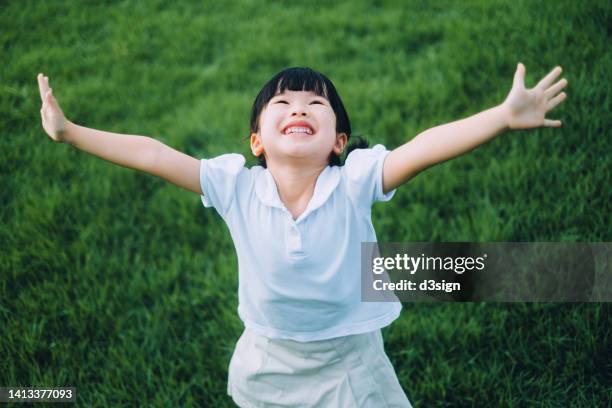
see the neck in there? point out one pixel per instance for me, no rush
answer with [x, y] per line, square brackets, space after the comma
[295, 184]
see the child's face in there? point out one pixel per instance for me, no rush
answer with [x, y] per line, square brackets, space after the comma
[298, 126]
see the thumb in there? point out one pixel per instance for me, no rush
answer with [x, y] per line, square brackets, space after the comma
[519, 76]
[50, 99]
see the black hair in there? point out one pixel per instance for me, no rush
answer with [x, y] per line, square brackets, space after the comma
[306, 79]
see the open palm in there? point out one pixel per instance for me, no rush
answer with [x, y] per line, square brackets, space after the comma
[53, 120]
[527, 108]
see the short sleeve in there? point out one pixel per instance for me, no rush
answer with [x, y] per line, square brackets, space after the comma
[363, 170]
[218, 180]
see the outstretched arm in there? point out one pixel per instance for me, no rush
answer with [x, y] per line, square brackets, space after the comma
[522, 109]
[141, 153]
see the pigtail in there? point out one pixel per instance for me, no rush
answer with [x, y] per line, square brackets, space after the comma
[358, 143]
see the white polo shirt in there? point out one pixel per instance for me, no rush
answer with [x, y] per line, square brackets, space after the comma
[301, 279]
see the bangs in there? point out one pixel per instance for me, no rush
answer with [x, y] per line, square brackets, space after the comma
[299, 79]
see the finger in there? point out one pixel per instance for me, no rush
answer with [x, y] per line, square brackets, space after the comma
[519, 76]
[553, 90]
[50, 99]
[550, 78]
[42, 86]
[555, 101]
[552, 123]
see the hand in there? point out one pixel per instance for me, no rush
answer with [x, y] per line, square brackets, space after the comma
[527, 108]
[53, 120]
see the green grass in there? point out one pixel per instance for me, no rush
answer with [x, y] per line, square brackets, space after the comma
[125, 287]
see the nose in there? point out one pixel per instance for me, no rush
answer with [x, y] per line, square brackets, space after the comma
[298, 110]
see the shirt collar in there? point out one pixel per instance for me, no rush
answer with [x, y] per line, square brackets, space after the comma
[267, 192]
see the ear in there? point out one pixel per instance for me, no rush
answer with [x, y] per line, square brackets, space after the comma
[256, 146]
[341, 140]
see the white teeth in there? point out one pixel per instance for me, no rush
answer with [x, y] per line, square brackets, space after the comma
[298, 130]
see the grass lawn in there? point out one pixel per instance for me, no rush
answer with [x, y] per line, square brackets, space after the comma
[125, 287]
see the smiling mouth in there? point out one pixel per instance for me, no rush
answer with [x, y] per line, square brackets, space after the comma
[299, 130]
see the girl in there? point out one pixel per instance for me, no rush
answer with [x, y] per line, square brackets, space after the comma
[297, 222]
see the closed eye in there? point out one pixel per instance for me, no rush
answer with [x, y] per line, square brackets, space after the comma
[318, 102]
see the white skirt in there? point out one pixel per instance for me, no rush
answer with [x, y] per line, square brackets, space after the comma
[350, 371]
